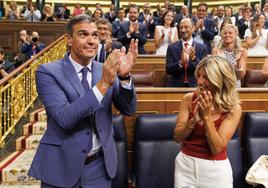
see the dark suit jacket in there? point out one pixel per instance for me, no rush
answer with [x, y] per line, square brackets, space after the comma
[115, 45]
[8, 67]
[108, 17]
[60, 157]
[150, 26]
[122, 36]
[27, 49]
[115, 28]
[209, 32]
[175, 70]
[242, 27]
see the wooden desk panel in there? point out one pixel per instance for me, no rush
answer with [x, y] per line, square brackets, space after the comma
[9, 32]
[152, 62]
[157, 64]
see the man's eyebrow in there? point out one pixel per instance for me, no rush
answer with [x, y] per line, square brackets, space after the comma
[82, 31]
[86, 31]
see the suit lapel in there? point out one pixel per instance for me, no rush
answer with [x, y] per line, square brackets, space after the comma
[72, 76]
[96, 73]
[178, 46]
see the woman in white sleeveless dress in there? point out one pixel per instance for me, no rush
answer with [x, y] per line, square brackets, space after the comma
[165, 33]
[256, 37]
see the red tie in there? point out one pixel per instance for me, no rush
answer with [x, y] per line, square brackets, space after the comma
[186, 65]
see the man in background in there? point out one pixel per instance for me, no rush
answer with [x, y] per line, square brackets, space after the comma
[31, 46]
[106, 45]
[183, 57]
[132, 29]
[5, 66]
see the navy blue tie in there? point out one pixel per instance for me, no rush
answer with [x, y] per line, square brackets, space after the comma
[84, 78]
[102, 53]
[85, 84]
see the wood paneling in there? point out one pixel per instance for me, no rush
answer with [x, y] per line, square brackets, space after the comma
[9, 32]
[157, 64]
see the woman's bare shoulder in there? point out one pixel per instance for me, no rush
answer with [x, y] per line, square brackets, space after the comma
[188, 97]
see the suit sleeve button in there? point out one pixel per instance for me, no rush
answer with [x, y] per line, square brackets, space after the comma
[84, 151]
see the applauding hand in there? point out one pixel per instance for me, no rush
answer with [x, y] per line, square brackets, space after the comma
[127, 61]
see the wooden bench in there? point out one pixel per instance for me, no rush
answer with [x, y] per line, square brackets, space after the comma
[157, 64]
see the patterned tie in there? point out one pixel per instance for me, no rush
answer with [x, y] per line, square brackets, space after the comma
[102, 53]
[185, 81]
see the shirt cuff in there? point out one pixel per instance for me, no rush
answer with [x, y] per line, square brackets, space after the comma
[126, 85]
[97, 93]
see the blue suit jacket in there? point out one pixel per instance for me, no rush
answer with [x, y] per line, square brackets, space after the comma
[115, 28]
[61, 154]
[175, 71]
[150, 26]
[209, 32]
[27, 49]
[142, 36]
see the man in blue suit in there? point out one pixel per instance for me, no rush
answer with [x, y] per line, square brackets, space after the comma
[78, 148]
[183, 57]
[204, 27]
[133, 30]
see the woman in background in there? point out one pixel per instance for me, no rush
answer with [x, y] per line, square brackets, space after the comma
[97, 14]
[256, 37]
[12, 12]
[208, 118]
[217, 38]
[48, 13]
[166, 33]
[230, 48]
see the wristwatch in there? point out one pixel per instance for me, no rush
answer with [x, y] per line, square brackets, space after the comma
[127, 77]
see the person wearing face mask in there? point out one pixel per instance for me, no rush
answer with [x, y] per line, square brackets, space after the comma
[208, 118]
[32, 47]
[5, 66]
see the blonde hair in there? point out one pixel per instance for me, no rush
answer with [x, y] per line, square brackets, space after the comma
[237, 42]
[223, 79]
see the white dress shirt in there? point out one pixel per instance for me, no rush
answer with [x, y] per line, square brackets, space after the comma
[96, 144]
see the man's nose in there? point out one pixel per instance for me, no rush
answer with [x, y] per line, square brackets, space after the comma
[90, 38]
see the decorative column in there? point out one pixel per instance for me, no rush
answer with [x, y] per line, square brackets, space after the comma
[116, 3]
[188, 3]
[40, 4]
